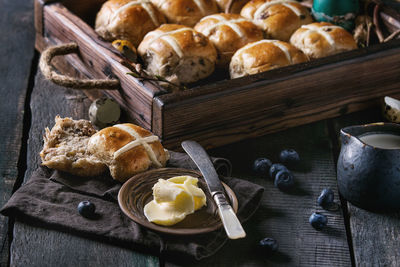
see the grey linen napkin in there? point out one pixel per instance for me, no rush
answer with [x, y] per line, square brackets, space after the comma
[50, 198]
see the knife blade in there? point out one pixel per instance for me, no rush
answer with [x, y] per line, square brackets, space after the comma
[232, 226]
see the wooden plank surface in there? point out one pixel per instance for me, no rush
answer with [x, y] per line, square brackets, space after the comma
[34, 246]
[281, 215]
[375, 236]
[284, 216]
[16, 55]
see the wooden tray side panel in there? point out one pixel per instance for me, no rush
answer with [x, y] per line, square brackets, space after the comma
[96, 60]
[232, 115]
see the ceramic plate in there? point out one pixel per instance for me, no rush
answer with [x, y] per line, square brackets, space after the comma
[137, 192]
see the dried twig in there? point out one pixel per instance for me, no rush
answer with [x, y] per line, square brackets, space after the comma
[392, 36]
[376, 23]
[362, 31]
[139, 73]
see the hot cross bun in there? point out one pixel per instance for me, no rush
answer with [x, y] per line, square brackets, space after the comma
[262, 56]
[186, 12]
[74, 146]
[278, 18]
[128, 20]
[228, 33]
[178, 53]
[127, 149]
[322, 39]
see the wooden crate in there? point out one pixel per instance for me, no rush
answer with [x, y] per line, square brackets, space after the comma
[224, 111]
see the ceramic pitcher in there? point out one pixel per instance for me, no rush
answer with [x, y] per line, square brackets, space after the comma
[369, 176]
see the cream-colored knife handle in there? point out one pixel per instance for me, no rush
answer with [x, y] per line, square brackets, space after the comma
[233, 228]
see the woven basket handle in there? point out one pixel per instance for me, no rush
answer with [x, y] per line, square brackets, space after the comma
[50, 73]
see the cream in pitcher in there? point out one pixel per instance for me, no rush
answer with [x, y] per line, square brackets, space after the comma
[382, 140]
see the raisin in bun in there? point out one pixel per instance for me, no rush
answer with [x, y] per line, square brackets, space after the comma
[278, 18]
[262, 56]
[322, 39]
[65, 146]
[127, 20]
[231, 6]
[178, 53]
[186, 12]
[127, 149]
[228, 33]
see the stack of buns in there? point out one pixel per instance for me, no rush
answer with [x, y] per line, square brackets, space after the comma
[182, 54]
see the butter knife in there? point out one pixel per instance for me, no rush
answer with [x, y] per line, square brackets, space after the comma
[233, 228]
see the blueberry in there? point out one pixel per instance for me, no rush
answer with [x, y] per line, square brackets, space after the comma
[261, 166]
[325, 200]
[275, 168]
[289, 157]
[318, 221]
[284, 180]
[86, 209]
[268, 245]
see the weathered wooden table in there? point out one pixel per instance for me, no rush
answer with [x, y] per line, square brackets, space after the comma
[29, 104]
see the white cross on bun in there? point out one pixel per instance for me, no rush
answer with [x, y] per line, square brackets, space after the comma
[228, 33]
[262, 56]
[278, 18]
[178, 53]
[74, 146]
[128, 20]
[186, 12]
[321, 39]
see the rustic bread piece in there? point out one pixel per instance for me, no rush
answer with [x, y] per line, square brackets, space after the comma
[127, 20]
[228, 33]
[235, 5]
[127, 149]
[278, 18]
[262, 56]
[65, 148]
[74, 146]
[186, 12]
[322, 39]
[178, 53]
